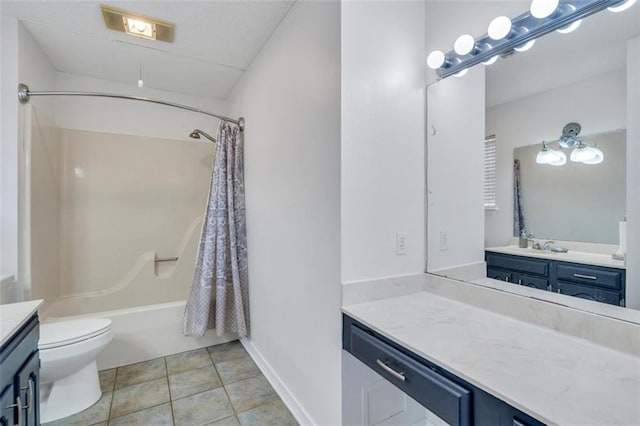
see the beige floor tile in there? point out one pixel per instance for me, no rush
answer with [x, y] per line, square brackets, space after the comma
[227, 351]
[193, 381]
[274, 413]
[98, 412]
[202, 408]
[107, 379]
[160, 415]
[229, 421]
[185, 361]
[138, 397]
[250, 393]
[237, 369]
[141, 372]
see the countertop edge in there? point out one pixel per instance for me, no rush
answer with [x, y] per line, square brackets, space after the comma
[15, 315]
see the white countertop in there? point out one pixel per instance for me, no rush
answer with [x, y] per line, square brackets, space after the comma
[14, 315]
[571, 256]
[556, 378]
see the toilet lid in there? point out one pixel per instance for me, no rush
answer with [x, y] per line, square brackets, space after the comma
[62, 333]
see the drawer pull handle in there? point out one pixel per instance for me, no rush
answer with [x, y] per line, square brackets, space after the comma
[586, 277]
[390, 370]
[19, 406]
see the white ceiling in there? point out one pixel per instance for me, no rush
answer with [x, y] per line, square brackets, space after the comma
[596, 47]
[214, 41]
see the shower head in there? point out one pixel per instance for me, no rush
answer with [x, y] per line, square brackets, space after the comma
[197, 132]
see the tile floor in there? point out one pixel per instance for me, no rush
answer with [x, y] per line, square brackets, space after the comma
[218, 385]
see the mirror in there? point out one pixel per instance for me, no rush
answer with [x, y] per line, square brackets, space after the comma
[524, 99]
[574, 201]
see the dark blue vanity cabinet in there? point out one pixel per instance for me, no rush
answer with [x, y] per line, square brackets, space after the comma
[454, 400]
[19, 377]
[598, 283]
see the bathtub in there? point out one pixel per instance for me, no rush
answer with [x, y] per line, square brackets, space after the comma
[144, 333]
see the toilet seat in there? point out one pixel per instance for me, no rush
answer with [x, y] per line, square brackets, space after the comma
[64, 333]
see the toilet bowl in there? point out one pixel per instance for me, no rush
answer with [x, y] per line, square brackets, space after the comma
[69, 380]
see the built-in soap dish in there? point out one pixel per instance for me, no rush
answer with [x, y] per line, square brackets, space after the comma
[559, 249]
[616, 256]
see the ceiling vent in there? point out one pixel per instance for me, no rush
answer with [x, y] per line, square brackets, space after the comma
[137, 25]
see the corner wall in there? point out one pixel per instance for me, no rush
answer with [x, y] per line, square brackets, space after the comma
[25, 127]
[290, 97]
[383, 143]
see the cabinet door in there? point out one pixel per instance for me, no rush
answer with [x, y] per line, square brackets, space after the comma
[590, 293]
[500, 274]
[534, 282]
[8, 410]
[28, 384]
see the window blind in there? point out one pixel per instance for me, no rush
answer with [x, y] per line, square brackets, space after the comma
[490, 172]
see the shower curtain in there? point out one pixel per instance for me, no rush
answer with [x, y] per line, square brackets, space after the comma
[518, 214]
[219, 296]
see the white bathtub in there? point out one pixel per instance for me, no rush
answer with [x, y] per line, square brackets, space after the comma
[146, 332]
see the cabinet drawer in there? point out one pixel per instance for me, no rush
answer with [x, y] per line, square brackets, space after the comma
[590, 293]
[500, 274]
[589, 275]
[517, 263]
[534, 282]
[442, 396]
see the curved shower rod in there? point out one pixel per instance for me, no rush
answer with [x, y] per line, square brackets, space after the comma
[24, 94]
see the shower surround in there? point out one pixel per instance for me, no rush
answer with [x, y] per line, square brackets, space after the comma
[103, 209]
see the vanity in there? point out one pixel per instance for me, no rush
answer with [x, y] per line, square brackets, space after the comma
[589, 276]
[434, 340]
[19, 364]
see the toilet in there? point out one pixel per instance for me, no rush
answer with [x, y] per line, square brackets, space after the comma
[69, 380]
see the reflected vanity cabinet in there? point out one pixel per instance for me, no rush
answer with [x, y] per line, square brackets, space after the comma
[19, 377]
[598, 283]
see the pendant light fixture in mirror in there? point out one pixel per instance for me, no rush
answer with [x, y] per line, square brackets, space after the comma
[582, 152]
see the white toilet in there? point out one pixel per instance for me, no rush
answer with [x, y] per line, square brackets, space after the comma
[69, 380]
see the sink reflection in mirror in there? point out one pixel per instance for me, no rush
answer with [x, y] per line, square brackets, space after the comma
[520, 101]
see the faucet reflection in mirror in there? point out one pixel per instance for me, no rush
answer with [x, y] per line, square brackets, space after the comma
[505, 35]
[582, 152]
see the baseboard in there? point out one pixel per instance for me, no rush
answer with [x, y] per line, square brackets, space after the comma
[300, 414]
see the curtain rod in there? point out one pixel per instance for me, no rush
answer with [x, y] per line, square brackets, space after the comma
[24, 94]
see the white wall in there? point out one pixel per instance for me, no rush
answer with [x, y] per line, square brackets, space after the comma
[633, 173]
[22, 61]
[290, 97]
[130, 117]
[455, 108]
[597, 103]
[383, 113]
[9, 150]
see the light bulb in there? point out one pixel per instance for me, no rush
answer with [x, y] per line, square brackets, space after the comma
[622, 7]
[528, 45]
[543, 8]
[583, 153]
[464, 44]
[140, 83]
[598, 158]
[550, 156]
[491, 60]
[461, 73]
[561, 159]
[499, 28]
[435, 59]
[570, 28]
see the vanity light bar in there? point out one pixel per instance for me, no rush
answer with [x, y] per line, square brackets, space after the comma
[524, 29]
